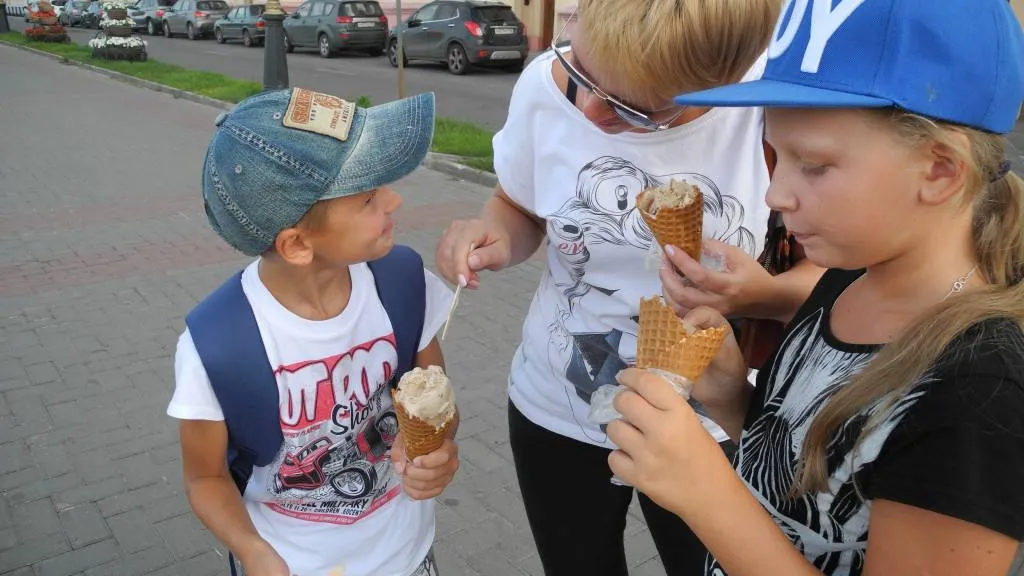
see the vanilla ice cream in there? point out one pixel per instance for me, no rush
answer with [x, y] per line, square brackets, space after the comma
[427, 395]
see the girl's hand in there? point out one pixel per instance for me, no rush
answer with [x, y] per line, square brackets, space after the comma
[427, 475]
[724, 385]
[664, 450]
[744, 289]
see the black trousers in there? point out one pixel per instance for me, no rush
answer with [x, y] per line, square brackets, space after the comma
[578, 516]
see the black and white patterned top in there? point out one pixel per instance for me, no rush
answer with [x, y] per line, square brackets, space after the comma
[953, 445]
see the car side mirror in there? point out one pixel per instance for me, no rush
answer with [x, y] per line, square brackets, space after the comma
[295, 15]
[414, 23]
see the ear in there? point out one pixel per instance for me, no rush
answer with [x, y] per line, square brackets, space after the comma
[293, 247]
[945, 174]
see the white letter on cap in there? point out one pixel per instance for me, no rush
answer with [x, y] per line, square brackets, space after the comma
[824, 23]
[780, 43]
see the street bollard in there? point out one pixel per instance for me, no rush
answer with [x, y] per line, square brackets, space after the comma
[275, 58]
[4, 25]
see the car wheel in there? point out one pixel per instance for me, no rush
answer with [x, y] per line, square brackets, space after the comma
[324, 44]
[288, 45]
[219, 36]
[355, 482]
[246, 39]
[167, 29]
[150, 27]
[190, 31]
[393, 54]
[458, 62]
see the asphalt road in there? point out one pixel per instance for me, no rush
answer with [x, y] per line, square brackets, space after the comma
[480, 97]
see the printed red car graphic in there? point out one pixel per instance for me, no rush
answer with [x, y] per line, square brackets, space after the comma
[349, 467]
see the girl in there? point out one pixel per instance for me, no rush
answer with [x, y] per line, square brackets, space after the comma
[886, 434]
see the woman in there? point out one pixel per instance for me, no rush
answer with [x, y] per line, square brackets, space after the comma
[587, 130]
[886, 435]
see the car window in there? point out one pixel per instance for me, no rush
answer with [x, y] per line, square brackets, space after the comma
[211, 5]
[165, 3]
[494, 14]
[256, 10]
[319, 9]
[361, 9]
[426, 13]
[304, 9]
[446, 11]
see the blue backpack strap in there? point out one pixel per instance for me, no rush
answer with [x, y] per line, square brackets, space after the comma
[227, 338]
[402, 289]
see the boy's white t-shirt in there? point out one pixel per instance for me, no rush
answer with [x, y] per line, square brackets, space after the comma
[581, 328]
[330, 500]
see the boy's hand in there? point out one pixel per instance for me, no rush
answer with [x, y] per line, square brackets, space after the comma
[264, 561]
[428, 475]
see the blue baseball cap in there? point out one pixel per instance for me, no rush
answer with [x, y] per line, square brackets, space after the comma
[952, 60]
[276, 154]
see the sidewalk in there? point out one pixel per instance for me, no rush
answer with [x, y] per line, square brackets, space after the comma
[103, 248]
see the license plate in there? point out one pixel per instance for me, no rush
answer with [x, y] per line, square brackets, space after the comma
[504, 31]
[366, 24]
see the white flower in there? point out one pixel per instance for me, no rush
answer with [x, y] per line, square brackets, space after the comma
[129, 42]
[112, 4]
[127, 22]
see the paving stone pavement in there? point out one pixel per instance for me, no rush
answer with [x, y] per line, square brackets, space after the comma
[103, 249]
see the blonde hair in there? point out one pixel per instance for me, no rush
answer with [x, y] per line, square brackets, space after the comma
[662, 48]
[998, 234]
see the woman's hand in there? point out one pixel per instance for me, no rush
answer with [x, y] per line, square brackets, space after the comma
[743, 289]
[663, 449]
[469, 246]
[427, 475]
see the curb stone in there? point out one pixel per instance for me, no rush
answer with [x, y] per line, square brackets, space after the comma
[444, 163]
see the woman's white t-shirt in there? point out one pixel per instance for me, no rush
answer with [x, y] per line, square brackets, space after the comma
[330, 502]
[582, 324]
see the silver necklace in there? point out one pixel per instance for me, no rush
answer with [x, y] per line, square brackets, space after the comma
[960, 283]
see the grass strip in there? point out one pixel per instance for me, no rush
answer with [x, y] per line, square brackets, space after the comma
[455, 137]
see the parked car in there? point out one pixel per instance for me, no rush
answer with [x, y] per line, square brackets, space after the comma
[332, 25]
[194, 18]
[73, 12]
[243, 23]
[58, 7]
[463, 34]
[93, 14]
[149, 15]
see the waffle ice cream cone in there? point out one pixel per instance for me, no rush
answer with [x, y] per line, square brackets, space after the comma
[666, 343]
[675, 214]
[425, 406]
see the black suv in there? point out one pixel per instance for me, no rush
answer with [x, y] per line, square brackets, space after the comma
[332, 25]
[463, 34]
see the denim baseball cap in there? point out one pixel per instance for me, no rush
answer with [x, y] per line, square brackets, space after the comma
[276, 154]
[952, 60]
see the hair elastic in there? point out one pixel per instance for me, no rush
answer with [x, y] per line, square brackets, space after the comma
[1004, 169]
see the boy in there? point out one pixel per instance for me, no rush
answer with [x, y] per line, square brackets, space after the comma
[300, 179]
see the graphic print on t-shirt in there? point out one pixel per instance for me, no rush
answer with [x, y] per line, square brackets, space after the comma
[602, 216]
[829, 529]
[338, 424]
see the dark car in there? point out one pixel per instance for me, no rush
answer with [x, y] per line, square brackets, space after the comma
[149, 15]
[73, 12]
[463, 34]
[332, 25]
[92, 16]
[243, 23]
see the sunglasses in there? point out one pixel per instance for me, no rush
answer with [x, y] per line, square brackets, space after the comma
[632, 116]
